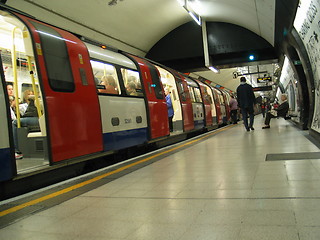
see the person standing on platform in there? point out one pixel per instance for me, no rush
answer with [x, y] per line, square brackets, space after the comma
[234, 109]
[170, 109]
[246, 102]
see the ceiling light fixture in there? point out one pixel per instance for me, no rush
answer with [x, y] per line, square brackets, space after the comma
[182, 2]
[196, 17]
[207, 58]
[213, 69]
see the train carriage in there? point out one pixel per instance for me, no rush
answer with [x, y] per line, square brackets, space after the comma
[91, 101]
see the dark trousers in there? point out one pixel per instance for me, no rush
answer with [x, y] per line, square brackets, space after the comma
[268, 118]
[171, 124]
[28, 121]
[245, 112]
[234, 115]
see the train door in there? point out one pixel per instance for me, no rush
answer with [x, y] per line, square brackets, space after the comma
[188, 121]
[207, 102]
[71, 103]
[226, 97]
[218, 106]
[212, 101]
[23, 93]
[168, 82]
[222, 106]
[157, 107]
[197, 105]
[7, 164]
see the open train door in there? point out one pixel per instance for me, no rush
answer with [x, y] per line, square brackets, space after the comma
[207, 101]
[73, 121]
[186, 104]
[7, 160]
[157, 107]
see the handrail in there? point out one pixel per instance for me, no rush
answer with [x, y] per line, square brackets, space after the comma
[15, 76]
[34, 87]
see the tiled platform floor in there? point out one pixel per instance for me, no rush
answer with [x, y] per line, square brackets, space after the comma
[220, 188]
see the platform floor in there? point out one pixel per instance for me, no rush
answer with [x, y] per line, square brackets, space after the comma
[218, 187]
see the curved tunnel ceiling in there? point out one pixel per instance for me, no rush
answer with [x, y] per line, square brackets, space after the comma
[229, 46]
[136, 26]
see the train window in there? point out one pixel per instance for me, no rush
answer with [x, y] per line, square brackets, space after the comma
[106, 78]
[132, 82]
[207, 96]
[197, 94]
[181, 91]
[193, 99]
[55, 53]
[156, 83]
[221, 99]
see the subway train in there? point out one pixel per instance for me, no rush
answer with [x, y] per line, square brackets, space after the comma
[91, 100]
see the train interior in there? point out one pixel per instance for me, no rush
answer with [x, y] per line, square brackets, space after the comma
[20, 71]
[168, 81]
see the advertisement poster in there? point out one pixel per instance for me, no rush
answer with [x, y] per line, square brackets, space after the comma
[307, 23]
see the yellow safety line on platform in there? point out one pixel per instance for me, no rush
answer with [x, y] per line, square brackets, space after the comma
[79, 185]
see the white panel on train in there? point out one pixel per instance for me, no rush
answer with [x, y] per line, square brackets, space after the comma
[125, 109]
[109, 56]
[198, 111]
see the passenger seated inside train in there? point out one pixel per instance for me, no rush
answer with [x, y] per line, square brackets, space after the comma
[131, 89]
[27, 107]
[30, 118]
[109, 84]
[280, 111]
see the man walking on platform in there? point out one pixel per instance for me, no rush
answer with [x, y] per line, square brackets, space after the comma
[246, 102]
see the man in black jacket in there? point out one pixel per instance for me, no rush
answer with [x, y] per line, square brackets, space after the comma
[246, 101]
[281, 111]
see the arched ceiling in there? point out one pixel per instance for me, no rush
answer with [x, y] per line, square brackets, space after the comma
[137, 25]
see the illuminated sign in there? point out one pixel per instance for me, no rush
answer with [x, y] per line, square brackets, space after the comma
[263, 88]
[264, 79]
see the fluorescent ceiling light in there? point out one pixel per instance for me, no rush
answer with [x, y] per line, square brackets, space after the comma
[213, 69]
[182, 2]
[197, 19]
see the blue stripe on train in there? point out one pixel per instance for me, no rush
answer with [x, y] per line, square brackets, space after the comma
[5, 164]
[124, 139]
[199, 124]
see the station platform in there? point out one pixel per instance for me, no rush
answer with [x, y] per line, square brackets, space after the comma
[227, 184]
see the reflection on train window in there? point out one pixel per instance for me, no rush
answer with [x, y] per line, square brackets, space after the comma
[57, 59]
[132, 82]
[197, 94]
[106, 78]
